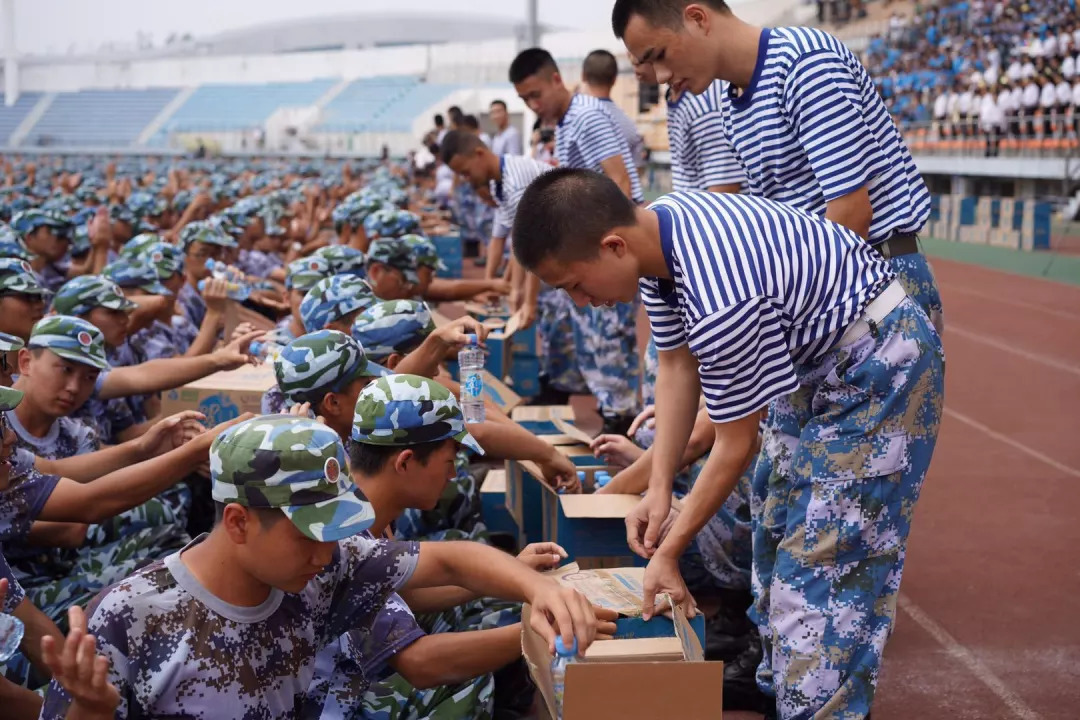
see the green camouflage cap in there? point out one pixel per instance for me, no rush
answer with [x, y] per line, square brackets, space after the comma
[426, 253]
[86, 292]
[342, 259]
[321, 362]
[294, 464]
[134, 274]
[10, 343]
[396, 326]
[166, 259]
[11, 245]
[390, 222]
[207, 232]
[397, 253]
[404, 410]
[333, 298]
[304, 273]
[80, 241]
[17, 277]
[134, 247]
[9, 398]
[71, 338]
[29, 220]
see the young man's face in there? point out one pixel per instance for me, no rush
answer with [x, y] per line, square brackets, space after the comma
[276, 553]
[426, 275]
[388, 283]
[45, 242]
[338, 408]
[113, 324]
[197, 255]
[122, 232]
[679, 58]
[499, 116]
[19, 312]
[603, 280]
[472, 167]
[424, 482]
[55, 386]
[543, 93]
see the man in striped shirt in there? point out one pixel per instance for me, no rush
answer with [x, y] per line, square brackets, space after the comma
[803, 117]
[506, 178]
[701, 156]
[755, 303]
[587, 137]
[598, 75]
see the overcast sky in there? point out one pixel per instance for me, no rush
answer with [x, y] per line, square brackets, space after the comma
[56, 26]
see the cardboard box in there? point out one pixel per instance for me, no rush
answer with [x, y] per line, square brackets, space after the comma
[493, 504]
[223, 395]
[488, 312]
[654, 669]
[497, 391]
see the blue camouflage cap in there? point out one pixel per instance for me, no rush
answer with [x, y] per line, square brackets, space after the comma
[391, 222]
[304, 273]
[396, 326]
[17, 277]
[119, 212]
[396, 253]
[134, 247]
[27, 221]
[166, 259]
[80, 241]
[135, 274]
[321, 362]
[296, 465]
[426, 253]
[403, 410]
[343, 260]
[70, 338]
[11, 245]
[205, 231]
[9, 398]
[333, 298]
[86, 292]
[10, 343]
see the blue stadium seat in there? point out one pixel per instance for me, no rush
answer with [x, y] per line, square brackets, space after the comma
[381, 104]
[99, 118]
[11, 117]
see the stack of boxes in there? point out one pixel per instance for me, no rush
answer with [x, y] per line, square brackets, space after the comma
[515, 359]
[449, 249]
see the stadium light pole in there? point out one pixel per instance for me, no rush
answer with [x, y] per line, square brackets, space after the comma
[11, 65]
[532, 24]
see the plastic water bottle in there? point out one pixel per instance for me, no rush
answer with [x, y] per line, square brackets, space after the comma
[563, 657]
[236, 287]
[601, 478]
[470, 363]
[265, 350]
[11, 634]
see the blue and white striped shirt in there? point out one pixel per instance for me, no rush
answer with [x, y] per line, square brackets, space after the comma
[811, 128]
[701, 156]
[586, 136]
[517, 173]
[757, 288]
[629, 130]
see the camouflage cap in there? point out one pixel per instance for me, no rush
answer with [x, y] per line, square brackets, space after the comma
[134, 247]
[9, 398]
[303, 274]
[343, 259]
[86, 292]
[29, 220]
[426, 253]
[205, 231]
[333, 298]
[319, 363]
[144, 204]
[17, 277]
[294, 464]
[391, 222]
[396, 326]
[403, 410]
[10, 343]
[11, 245]
[135, 274]
[166, 259]
[71, 338]
[396, 253]
[119, 212]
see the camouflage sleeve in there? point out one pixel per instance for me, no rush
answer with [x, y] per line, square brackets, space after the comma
[370, 570]
[15, 592]
[21, 502]
[87, 441]
[394, 629]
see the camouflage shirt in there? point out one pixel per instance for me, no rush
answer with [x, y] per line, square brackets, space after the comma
[66, 438]
[158, 341]
[192, 303]
[15, 593]
[24, 498]
[273, 402]
[52, 277]
[176, 650]
[258, 263]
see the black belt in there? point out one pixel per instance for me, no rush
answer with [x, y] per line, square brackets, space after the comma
[899, 244]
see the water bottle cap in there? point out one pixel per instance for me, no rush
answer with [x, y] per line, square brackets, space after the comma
[580, 474]
[560, 647]
[255, 348]
[471, 340]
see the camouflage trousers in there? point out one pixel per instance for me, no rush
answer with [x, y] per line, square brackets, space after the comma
[915, 274]
[590, 349]
[395, 699]
[845, 456]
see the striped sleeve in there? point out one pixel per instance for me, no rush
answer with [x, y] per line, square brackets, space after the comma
[824, 103]
[716, 161]
[598, 139]
[744, 359]
[504, 220]
[667, 326]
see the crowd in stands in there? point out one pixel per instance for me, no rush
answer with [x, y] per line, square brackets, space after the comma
[982, 69]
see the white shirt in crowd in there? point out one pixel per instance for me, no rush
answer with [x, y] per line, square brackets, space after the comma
[1063, 92]
[444, 182]
[1004, 103]
[1050, 46]
[1016, 100]
[1047, 96]
[941, 106]
[507, 142]
[1028, 70]
[1076, 38]
[990, 77]
[1015, 71]
[1031, 96]
[1064, 43]
[990, 115]
[965, 103]
[951, 104]
[1068, 67]
[1034, 48]
[485, 138]
[1076, 94]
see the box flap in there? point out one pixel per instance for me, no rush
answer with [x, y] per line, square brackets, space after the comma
[618, 590]
[495, 482]
[598, 506]
[497, 391]
[657, 649]
[250, 378]
[572, 430]
[535, 650]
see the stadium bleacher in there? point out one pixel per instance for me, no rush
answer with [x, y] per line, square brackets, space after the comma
[12, 117]
[98, 118]
[380, 104]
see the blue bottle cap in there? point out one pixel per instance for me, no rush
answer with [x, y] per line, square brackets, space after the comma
[560, 647]
[581, 475]
[471, 340]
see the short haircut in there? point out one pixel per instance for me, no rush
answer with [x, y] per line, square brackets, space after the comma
[439, 122]
[267, 516]
[500, 103]
[530, 62]
[658, 13]
[371, 459]
[565, 213]
[458, 142]
[455, 114]
[470, 122]
[600, 68]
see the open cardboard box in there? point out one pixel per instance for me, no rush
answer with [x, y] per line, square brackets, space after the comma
[493, 503]
[654, 669]
[482, 312]
[497, 391]
[540, 420]
[223, 395]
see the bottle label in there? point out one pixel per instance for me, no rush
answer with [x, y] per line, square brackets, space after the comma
[473, 387]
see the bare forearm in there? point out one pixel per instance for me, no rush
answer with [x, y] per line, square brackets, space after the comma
[37, 625]
[208, 335]
[437, 599]
[677, 391]
[18, 702]
[510, 441]
[445, 290]
[482, 569]
[84, 468]
[452, 658]
[494, 257]
[156, 375]
[424, 360]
